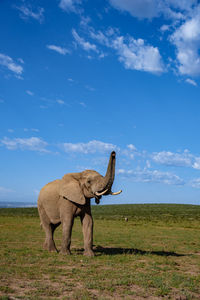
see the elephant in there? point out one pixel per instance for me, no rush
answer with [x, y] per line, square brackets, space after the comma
[61, 200]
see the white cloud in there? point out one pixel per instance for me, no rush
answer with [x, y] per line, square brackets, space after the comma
[148, 164]
[19, 77]
[87, 46]
[191, 81]
[85, 21]
[34, 129]
[61, 102]
[130, 151]
[32, 143]
[29, 93]
[102, 55]
[154, 8]
[172, 159]
[135, 55]
[4, 190]
[70, 5]
[165, 27]
[100, 37]
[195, 183]
[184, 5]
[90, 147]
[184, 159]
[138, 8]
[186, 38]
[89, 88]
[184, 16]
[26, 12]
[7, 61]
[82, 104]
[31, 129]
[58, 49]
[21, 60]
[131, 147]
[152, 176]
[196, 163]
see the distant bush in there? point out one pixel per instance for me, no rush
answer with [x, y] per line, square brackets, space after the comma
[148, 212]
[19, 211]
[167, 213]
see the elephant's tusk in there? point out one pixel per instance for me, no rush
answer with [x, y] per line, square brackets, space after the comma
[101, 193]
[116, 193]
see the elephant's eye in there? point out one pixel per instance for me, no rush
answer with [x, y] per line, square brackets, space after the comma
[89, 181]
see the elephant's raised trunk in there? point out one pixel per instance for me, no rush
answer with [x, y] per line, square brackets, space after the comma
[110, 174]
[108, 179]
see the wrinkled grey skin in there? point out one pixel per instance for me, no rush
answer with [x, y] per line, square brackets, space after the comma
[62, 200]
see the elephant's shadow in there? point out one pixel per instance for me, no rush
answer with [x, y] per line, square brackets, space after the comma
[99, 250]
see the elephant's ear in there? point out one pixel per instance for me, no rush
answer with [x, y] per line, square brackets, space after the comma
[71, 190]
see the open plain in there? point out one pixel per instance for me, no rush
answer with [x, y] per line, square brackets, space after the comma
[149, 251]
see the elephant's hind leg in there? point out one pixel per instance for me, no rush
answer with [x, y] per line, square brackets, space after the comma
[49, 229]
[49, 243]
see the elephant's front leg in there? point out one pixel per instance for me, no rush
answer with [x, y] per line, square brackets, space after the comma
[67, 232]
[87, 225]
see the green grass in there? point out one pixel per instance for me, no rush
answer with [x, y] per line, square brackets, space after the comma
[155, 254]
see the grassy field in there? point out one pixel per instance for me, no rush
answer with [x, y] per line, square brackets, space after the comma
[155, 255]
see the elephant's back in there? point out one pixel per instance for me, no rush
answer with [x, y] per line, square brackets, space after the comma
[51, 189]
[48, 199]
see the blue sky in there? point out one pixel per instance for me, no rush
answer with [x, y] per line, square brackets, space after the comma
[79, 78]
